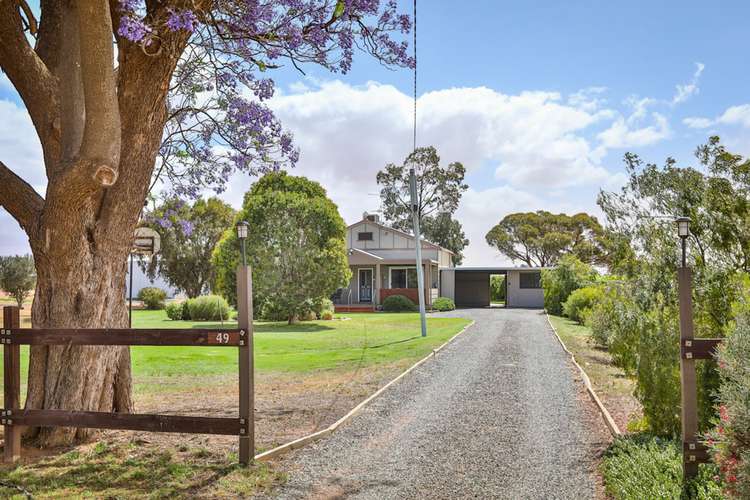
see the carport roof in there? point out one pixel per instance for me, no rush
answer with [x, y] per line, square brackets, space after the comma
[496, 269]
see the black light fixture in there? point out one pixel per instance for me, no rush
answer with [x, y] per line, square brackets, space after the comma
[683, 231]
[242, 228]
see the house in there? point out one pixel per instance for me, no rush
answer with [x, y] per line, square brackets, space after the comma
[382, 260]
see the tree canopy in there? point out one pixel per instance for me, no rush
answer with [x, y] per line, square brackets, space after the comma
[124, 94]
[296, 246]
[540, 238]
[189, 234]
[446, 231]
[17, 276]
[439, 191]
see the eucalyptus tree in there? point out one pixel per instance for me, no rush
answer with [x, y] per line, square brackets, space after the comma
[541, 238]
[123, 92]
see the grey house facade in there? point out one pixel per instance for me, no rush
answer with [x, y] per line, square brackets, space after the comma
[382, 261]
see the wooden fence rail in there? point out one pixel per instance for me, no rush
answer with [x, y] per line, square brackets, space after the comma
[14, 418]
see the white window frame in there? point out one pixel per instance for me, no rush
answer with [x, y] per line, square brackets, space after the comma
[390, 276]
[372, 285]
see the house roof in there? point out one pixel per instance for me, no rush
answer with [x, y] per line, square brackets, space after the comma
[367, 254]
[403, 233]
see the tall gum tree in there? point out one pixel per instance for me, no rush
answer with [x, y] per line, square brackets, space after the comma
[112, 122]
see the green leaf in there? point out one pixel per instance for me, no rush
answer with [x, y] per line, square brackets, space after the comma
[340, 7]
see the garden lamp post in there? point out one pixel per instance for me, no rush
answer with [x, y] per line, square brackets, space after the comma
[242, 228]
[683, 231]
[246, 360]
[688, 376]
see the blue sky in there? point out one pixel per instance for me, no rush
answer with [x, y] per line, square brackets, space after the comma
[540, 99]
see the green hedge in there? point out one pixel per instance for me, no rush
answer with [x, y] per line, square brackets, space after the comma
[152, 297]
[207, 308]
[443, 304]
[398, 303]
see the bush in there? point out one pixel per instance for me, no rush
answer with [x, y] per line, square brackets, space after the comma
[323, 308]
[398, 303]
[497, 288]
[640, 467]
[174, 310]
[730, 441]
[152, 297]
[271, 312]
[208, 308]
[443, 304]
[559, 282]
[580, 302]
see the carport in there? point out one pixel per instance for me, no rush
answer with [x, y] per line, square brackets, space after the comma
[470, 286]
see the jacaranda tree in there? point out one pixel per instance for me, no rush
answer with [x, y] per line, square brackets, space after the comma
[122, 93]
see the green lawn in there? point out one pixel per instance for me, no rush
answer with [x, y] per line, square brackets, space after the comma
[364, 339]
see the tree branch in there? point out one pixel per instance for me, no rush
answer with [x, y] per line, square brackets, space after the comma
[101, 133]
[20, 200]
[30, 77]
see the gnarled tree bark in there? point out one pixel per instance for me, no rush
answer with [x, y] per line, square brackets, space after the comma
[91, 122]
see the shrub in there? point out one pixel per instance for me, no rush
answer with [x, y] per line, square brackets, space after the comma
[271, 312]
[497, 288]
[398, 303]
[174, 310]
[443, 304]
[208, 308]
[152, 297]
[602, 317]
[559, 282]
[640, 467]
[323, 307]
[730, 441]
[580, 302]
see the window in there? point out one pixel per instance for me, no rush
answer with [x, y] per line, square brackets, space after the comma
[531, 280]
[435, 277]
[402, 277]
[364, 236]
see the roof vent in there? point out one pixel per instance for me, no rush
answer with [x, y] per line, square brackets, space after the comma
[371, 217]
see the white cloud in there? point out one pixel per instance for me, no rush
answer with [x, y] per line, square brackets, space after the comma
[736, 115]
[684, 91]
[624, 133]
[698, 122]
[588, 99]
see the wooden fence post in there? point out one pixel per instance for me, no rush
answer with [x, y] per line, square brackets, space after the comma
[688, 379]
[246, 362]
[11, 385]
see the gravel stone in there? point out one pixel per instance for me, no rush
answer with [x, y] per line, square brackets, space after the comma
[498, 413]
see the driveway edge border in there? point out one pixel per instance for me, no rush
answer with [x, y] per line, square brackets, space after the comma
[303, 441]
[611, 424]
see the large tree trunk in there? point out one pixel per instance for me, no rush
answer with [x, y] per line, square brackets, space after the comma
[84, 294]
[100, 134]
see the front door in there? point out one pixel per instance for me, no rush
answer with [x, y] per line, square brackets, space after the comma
[365, 285]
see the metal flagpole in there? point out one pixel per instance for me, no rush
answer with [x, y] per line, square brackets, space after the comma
[414, 200]
[418, 245]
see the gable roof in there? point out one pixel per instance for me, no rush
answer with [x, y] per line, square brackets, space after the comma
[403, 233]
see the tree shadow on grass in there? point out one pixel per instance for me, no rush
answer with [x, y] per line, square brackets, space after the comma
[130, 470]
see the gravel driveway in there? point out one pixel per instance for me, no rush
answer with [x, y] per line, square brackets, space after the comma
[499, 413]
